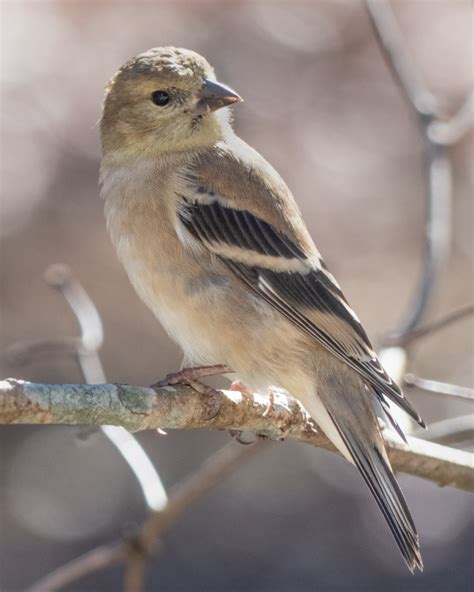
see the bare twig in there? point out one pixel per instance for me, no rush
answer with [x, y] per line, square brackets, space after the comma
[136, 551]
[453, 130]
[437, 163]
[139, 408]
[395, 52]
[439, 388]
[437, 134]
[25, 351]
[60, 277]
[95, 560]
[451, 431]
[85, 348]
[433, 327]
[197, 484]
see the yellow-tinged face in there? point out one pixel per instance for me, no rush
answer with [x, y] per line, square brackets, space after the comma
[164, 101]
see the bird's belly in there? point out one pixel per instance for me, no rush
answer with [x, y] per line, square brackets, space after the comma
[184, 316]
[225, 324]
[191, 319]
[215, 320]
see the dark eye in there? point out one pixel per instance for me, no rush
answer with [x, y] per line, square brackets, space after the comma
[160, 98]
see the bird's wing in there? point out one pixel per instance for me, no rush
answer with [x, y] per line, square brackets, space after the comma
[282, 272]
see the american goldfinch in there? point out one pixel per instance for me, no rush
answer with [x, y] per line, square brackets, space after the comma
[213, 242]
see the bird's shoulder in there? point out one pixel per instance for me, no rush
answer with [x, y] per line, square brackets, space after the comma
[237, 175]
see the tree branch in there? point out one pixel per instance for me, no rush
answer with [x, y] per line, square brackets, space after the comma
[140, 408]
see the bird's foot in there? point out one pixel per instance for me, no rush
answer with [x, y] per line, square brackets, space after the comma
[213, 397]
[189, 377]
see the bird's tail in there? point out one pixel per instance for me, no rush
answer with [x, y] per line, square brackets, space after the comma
[378, 475]
[358, 437]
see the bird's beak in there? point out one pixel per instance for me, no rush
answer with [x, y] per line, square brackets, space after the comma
[214, 95]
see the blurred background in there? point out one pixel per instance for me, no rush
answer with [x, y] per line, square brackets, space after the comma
[321, 106]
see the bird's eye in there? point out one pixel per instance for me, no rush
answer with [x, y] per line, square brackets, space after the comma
[160, 98]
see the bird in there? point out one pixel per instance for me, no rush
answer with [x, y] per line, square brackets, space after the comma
[215, 245]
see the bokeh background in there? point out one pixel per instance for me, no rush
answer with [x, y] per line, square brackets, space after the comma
[321, 106]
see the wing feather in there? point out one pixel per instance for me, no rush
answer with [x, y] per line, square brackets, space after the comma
[308, 295]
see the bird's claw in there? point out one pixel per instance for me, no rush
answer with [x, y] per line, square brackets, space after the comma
[189, 376]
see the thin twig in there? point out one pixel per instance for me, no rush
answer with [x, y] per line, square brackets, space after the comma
[436, 387]
[433, 327]
[24, 351]
[95, 560]
[85, 349]
[60, 277]
[196, 485]
[437, 163]
[451, 431]
[453, 130]
[394, 50]
[214, 469]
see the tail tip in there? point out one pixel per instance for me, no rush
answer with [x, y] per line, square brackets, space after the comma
[422, 424]
[415, 562]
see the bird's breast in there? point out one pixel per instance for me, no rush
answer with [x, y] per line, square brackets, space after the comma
[178, 285]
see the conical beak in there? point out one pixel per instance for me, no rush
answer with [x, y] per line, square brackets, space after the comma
[215, 95]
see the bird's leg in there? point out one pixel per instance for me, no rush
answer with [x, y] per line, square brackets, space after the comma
[189, 377]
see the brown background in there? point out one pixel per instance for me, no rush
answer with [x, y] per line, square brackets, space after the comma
[322, 108]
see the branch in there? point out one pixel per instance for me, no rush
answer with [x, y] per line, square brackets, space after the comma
[140, 408]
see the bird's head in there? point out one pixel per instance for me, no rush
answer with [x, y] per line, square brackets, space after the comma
[164, 101]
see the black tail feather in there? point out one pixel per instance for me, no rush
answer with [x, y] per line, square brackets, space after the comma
[379, 477]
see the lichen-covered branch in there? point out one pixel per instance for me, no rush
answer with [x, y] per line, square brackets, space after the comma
[140, 408]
